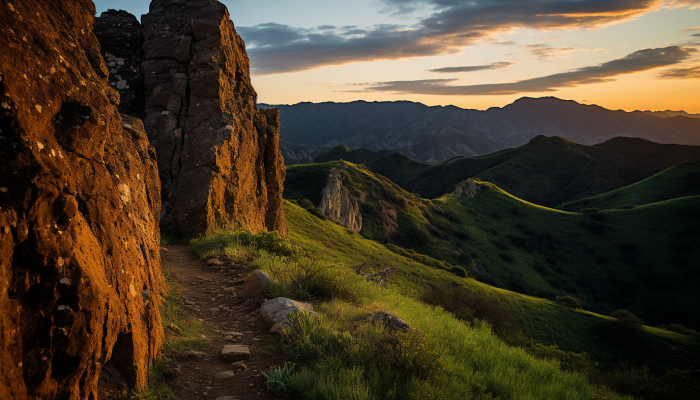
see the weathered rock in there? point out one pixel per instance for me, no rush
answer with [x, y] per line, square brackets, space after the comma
[468, 189]
[276, 311]
[79, 238]
[255, 286]
[338, 204]
[215, 262]
[235, 352]
[219, 157]
[389, 320]
[121, 39]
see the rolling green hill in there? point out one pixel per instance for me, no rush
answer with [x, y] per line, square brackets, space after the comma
[548, 170]
[609, 259]
[681, 180]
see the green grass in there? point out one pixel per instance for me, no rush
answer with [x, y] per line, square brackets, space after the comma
[681, 180]
[357, 156]
[445, 358]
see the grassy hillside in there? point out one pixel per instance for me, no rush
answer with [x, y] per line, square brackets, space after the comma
[609, 259]
[681, 180]
[357, 156]
[548, 170]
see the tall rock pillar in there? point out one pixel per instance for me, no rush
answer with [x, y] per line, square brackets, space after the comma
[218, 156]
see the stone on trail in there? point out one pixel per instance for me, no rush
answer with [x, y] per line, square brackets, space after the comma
[276, 311]
[215, 261]
[235, 352]
[224, 375]
[255, 286]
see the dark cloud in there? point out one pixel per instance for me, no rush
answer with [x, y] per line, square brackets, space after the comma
[546, 52]
[681, 73]
[641, 60]
[473, 68]
[696, 34]
[452, 25]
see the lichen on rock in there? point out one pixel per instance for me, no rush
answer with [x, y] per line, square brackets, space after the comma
[79, 235]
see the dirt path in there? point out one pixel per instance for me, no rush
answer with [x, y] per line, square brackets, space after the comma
[209, 295]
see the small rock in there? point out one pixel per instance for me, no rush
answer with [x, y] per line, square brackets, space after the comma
[215, 261]
[214, 310]
[230, 290]
[224, 375]
[235, 352]
[232, 333]
[194, 353]
[276, 311]
[255, 286]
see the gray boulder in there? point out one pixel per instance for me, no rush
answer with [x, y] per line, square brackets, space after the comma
[276, 311]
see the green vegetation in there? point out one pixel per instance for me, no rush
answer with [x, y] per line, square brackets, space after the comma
[357, 156]
[607, 259]
[681, 180]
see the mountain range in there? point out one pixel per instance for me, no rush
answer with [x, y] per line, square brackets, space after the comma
[432, 134]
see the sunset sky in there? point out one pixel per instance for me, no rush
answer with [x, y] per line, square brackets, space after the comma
[620, 54]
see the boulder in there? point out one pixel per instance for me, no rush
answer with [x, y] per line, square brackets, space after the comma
[80, 277]
[255, 285]
[219, 157]
[338, 205]
[121, 39]
[276, 311]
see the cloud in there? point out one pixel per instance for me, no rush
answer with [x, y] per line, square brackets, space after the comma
[545, 52]
[473, 68]
[553, 38]
[680, 73]
[697, 28]
[452, 25]
[640, 60]
[696, 34]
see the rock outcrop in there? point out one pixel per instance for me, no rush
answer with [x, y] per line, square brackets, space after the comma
[218, 155]
[80, 278]
[468, 189]
[338, 205]
[276, 311]
[121, 41]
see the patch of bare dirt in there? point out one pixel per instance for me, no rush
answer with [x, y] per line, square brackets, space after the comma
[209, 295]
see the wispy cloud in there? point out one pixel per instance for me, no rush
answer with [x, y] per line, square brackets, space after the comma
[553, 38]
[546, 52]
[473, 68]
[697, 28]
[641, 60]
[452, 25]
[681, 73]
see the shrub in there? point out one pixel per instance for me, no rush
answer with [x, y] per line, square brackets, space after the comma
[569, 301]
[626, 319]
[459, 271]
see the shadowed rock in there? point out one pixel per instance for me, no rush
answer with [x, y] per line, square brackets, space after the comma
[121, 39]
[218, 156]
[80, 281]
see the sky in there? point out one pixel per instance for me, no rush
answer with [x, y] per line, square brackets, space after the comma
[619, 54]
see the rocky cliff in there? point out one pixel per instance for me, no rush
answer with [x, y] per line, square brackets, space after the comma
[218, 156]
[338, 204]
[80, 279]
[121, 41]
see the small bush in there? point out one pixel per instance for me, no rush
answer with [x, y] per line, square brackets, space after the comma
[627, 320]
[459, 271]
[569, 301]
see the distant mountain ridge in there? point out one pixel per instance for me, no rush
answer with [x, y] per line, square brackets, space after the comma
[430, 133]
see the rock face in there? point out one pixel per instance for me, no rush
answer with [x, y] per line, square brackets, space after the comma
[338, 204]
[468, 189]
[121, 40]
[218, 156]
[80, 278]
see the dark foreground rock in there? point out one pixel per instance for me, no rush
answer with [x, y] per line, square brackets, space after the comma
[80, 280]
[218, 156]
[121, 41]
